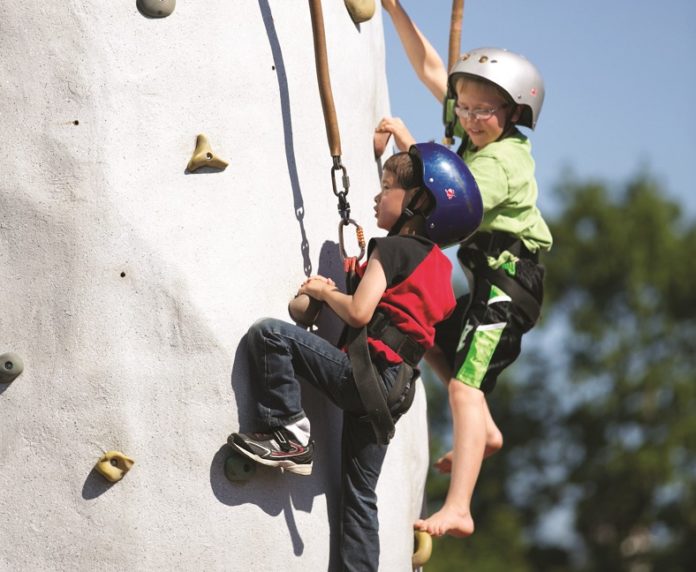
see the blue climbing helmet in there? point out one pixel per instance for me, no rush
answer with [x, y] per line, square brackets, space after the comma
[457, 211]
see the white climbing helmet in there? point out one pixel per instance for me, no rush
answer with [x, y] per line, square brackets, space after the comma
[513, 73]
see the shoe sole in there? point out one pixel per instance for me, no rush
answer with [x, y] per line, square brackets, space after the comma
[287, 465]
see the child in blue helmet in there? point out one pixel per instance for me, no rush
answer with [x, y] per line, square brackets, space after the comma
[428, 198]
[492, 90]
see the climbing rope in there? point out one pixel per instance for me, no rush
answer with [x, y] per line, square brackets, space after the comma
[450, 119]
[332, 132]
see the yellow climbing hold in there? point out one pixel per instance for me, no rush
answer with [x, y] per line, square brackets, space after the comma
[203, 156]
[156, 8]
[422, 550]
[11, 366]
[360, 10]
[113, 465]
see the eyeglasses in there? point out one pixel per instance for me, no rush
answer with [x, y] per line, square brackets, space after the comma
[480, 114]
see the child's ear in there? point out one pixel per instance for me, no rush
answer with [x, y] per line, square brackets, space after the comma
[516, 114]
[422, 201]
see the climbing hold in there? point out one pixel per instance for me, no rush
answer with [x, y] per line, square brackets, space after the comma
[156, 8]
[422, 550]
[379, 143]
[304, 310]
[113, 465]
[360, 10]
[239, 468]
[203, 156]
[11, 367]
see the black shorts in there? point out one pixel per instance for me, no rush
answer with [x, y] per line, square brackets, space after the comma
[484, 334]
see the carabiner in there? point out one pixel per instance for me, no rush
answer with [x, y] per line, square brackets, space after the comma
[343, 205]
[359, 234]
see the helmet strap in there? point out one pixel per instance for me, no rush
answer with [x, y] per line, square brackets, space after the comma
[407, 214]
[510, 125]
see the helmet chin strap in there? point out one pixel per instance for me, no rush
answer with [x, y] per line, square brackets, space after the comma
[510, 125]
[407, 214]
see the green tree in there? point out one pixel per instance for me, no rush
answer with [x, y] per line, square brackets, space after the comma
[598, 413]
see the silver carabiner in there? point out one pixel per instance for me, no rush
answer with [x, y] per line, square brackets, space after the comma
[360, 235]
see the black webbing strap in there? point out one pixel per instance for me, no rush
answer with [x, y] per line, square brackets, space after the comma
[494, 242]
[380, 408]
[370, 387]
[380, 328]
[520, 296]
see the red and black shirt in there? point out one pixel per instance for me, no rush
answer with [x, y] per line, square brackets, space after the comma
[419, 289]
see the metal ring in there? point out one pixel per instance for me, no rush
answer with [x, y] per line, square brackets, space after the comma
[341, 243]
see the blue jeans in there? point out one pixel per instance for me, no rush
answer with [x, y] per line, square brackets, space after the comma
[280, 354]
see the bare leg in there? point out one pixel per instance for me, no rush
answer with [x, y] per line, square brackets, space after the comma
[470, 429]
[494, 442]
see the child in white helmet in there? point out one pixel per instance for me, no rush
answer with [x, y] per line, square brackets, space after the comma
[493, 90]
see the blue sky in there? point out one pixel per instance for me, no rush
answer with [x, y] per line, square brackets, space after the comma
[620, 83]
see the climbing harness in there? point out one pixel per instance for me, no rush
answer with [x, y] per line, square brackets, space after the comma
[472, 255]
[382, 408]
[449, 118]
[332, 133]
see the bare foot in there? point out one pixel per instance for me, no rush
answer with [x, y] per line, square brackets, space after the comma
[447, 521]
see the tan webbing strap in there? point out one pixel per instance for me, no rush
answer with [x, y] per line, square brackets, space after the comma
[455, 37]
[331, 122]
[322, 64]
[455, 32]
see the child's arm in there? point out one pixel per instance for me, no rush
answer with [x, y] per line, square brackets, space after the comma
[397, 128]
[355, 310]
[426, 62]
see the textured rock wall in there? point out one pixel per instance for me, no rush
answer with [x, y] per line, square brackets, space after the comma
[128, 282]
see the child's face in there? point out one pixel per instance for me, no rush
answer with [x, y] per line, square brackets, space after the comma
[390, 202]
[473, 97]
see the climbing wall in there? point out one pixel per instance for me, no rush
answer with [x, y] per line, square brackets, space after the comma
[129, 278]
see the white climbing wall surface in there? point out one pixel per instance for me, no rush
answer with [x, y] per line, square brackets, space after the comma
[127, 281]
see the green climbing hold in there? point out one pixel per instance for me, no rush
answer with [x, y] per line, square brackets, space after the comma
[156, 8]
[11, 367]
[239, 468]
